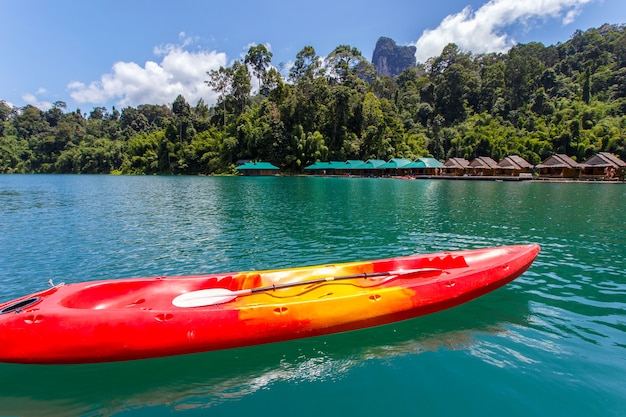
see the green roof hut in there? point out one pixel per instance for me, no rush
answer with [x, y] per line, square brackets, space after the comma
[258, 169]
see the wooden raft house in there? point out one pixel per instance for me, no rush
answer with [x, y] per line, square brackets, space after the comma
[455, 167]
[559, 166]
[258, 169]
[514, 165]
[395, 167]
[604, 166]
[424, 167]
[483, 165]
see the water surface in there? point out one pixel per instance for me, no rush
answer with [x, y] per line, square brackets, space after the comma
[553, 342]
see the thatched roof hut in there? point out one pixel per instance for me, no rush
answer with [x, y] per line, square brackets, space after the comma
[455, 166]
[483, 165]
[604, 166]
[560, 165]
[513, 165]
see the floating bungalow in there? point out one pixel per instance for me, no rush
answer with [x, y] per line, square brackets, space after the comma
[327, 168]
[514, 166]
[370, 168]
[354, 164]
[395, 167]
[455, 166]
[376, 167]
[559, 166]
[483, 165]
[258, 169]
[424, 166]
[604, 166]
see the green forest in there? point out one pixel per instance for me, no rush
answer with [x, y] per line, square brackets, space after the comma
[533, 101]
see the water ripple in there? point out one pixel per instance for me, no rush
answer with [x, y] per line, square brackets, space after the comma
[554, 340]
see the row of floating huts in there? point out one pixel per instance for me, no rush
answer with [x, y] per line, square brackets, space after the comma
[602, 166]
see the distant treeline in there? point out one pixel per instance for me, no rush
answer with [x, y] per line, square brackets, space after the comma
[533, 101]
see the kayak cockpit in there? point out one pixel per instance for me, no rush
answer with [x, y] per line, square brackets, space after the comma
[149, 293]
[158, 292]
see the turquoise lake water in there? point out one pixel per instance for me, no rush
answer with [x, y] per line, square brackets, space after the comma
[551, 343]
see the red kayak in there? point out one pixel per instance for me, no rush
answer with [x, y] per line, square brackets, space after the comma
[138, 318]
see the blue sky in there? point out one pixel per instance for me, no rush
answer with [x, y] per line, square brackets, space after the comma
[129, 52]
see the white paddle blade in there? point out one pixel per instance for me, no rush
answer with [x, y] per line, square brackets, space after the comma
[204, 297]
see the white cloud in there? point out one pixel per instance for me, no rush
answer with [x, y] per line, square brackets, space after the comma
[129, 84]
[36, 102]
[483, 31]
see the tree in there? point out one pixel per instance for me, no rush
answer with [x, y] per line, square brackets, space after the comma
[532, 101]
[346, 61]
[587, 86]
[373, 126]
[30, 122]
[98, 113]
[220, 81]
[492, 84]
[55, 113]
[384, 87]
[522, 72]
[451, 93]
[5, 111]
[273, 87]
[541, 104]
[240, 86]
[449, 55]
[259, 58]
[306, 67]
[132, 118]
[182, 111]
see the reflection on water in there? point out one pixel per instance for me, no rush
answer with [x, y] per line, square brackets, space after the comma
[208, 380]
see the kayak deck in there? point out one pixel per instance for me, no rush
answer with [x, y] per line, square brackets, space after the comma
[137, 318]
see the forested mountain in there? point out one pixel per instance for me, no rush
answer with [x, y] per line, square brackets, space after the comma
[533, 101]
